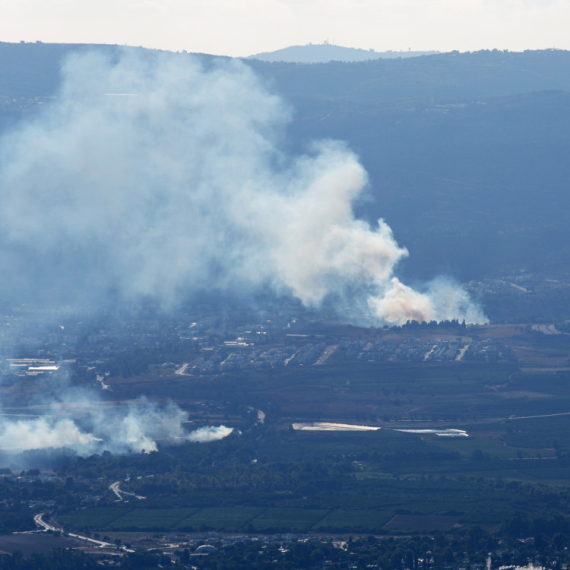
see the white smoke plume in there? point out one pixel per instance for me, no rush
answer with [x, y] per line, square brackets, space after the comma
[134, 429]
[209, 433]
[158, 177]
[42, 433]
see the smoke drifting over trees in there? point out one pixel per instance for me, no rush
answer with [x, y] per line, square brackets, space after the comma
[154, 177]
[87, 428]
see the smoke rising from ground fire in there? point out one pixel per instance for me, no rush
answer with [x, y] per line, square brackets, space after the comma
[157, 177]
[93, 429]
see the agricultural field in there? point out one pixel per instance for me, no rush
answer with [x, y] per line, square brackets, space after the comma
[342, 520]
[282, 519]
[149, 519]
[220, 518]
[478, 442]
[93, 518]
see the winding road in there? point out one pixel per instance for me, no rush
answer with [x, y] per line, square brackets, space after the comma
[115, 487]
[43, 524]
[100, 543]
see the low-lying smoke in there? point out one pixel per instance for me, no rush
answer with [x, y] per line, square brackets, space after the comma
[134, 429]
[157, 177]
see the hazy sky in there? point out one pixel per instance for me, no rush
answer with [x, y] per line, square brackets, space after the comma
[244, 27]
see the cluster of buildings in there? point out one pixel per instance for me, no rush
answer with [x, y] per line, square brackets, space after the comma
[223, 341]
[306, 352]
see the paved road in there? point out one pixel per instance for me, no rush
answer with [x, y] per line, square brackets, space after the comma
[43, 524]
[101, 544]
[115, 487]
[182, 370]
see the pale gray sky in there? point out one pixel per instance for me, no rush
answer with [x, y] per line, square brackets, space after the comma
[244, 27]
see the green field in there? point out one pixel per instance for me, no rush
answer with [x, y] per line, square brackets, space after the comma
[93, 518]
[226, 519]
[281, 519]
[149, 519]
[219, 518]
[343, 519]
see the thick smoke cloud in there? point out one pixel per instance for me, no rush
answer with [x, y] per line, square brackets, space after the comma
[157, 177]
[94, 429]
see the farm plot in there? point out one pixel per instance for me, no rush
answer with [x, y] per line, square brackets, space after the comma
[219, 518]
[421, 523]
[150, 519]
[342, 520]
[291, 520]
[94, 518]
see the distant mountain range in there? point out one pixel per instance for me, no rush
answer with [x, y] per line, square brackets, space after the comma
[324, 53]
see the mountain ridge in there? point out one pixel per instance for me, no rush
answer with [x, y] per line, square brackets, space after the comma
[325, 53]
